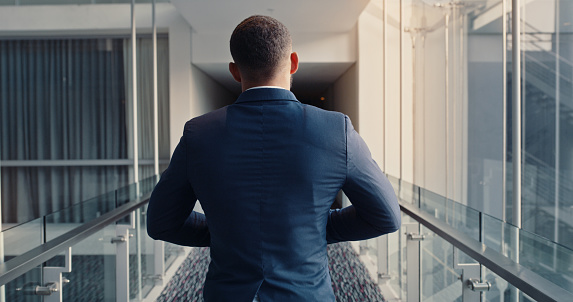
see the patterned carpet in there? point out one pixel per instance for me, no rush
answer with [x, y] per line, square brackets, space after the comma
[350, 280]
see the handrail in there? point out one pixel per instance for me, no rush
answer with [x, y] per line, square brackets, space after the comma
[19, 265]
[519, 276]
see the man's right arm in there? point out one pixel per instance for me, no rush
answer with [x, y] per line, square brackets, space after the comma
[170, 215]
[374, 210]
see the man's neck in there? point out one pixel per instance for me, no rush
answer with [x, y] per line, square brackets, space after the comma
[280, 83]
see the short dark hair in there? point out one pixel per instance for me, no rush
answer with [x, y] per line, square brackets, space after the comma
[258, 44]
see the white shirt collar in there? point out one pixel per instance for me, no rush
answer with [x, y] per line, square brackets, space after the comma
[259, 87]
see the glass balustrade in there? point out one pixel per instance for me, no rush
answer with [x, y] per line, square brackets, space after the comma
[415, 252]
[97, 260]
[439, 266]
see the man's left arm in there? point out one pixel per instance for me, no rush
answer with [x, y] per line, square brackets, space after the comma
[374, 210]
[170, 215]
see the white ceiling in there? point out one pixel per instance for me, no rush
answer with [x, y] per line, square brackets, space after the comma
[300, 16]
[221, 16]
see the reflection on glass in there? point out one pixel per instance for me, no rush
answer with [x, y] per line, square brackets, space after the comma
[67, 95]
[547, 75]
[551, 260]
[146, 185]
[93, 268]
[394, 261]
[502, 290]
[18, 290]
[31, 192]
[452, 65]
[93, 259]
[22, 238]
[172, 251]
[127, 194]
[147, 256]
[439, 280]
[69, 218]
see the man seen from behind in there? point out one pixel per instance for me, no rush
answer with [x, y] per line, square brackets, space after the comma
[266, 171]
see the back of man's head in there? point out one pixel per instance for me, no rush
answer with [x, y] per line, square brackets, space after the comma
[259, 45]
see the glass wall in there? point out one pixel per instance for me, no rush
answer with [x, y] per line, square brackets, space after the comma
[456, 74]
[455, 53]
[547, 115]
[456, 65]
[67, 118]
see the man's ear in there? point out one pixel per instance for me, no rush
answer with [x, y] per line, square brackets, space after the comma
[293, 62]
[234, 69]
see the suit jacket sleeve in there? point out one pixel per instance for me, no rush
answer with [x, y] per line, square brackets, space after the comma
[170, 215]
[374, 210]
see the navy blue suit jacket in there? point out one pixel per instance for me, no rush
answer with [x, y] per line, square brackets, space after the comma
[266, 171]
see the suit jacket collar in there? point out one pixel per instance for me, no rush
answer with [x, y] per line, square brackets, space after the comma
[266, 94]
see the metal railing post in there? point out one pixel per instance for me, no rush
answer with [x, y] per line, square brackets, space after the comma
[382, 250]
[134, 94]
[54, 281]
[121, 242]
[159, 261]
[516, 110]
[413, 238]
[516, 128]
[472, 286]
[138, 254]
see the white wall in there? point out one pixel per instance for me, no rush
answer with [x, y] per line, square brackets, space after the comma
[196, 93]
[344, 95]
[371, 80]
[311, 47]
[392, 94]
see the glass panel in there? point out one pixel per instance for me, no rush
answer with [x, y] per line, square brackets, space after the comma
[463, 219]
[141, 259]
[22, 238]
[550, 260]
[493, 235]
[31, 192]
[145, 102]
[401, 283]
[480, 41]
[172, 252]
[547, 172]
[409, 192]
[135, 260]
[93, 268]
[433, 203]
[395, 182]
[126, 194]
[63, 95]
[394, 260]
[69, 101]
[19, 289]
[424, 55]
[147, 185]
[439, 281]
[501, 290]
[72, 217]
[147, 256]
[370, 249]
